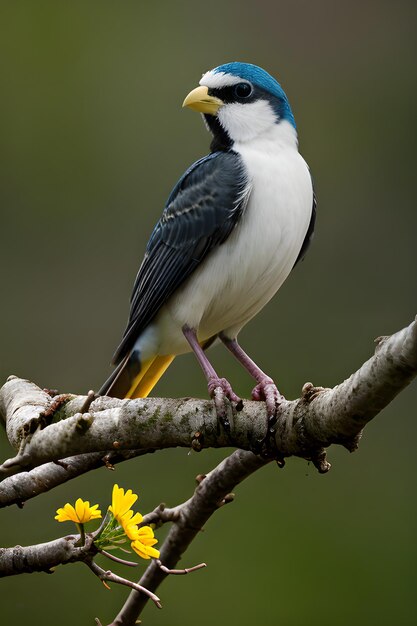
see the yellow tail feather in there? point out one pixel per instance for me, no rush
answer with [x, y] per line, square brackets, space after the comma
[151, 371]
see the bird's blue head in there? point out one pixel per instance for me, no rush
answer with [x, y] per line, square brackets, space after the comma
[240, 101]
[264, 85]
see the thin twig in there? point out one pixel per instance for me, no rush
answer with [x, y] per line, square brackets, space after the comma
[91, 396]
[180, 572]
[104, 575]
[161, 515]
[117, 559]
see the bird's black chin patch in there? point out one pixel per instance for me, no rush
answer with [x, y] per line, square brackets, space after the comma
[221, 141]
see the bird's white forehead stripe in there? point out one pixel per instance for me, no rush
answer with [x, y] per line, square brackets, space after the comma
[217, 80]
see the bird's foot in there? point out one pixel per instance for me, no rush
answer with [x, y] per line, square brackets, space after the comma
[220, 389]
[267, 391]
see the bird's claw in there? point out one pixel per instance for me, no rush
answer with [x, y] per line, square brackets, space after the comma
[224, 385]
[220, 389]
[267, 390]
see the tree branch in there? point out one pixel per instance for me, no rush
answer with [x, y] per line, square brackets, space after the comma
[345, 410]
[45, 556]
[210, 495]
[41, 557]
[114, 429]
[19, 488]
[305, 426]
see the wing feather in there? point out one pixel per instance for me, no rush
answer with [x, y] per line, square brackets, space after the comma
[309, 234]
[200, 214]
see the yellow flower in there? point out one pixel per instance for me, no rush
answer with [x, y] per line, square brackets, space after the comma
[130, 523]
[120, 507]
[123, 524]
[121, 502]
[144, 542]
[80, 514]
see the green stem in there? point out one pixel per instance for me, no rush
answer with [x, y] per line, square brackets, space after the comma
[82, 533]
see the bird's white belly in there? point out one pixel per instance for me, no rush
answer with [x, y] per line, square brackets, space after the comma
[240, 276]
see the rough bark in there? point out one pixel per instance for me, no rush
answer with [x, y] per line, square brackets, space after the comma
[319, 418]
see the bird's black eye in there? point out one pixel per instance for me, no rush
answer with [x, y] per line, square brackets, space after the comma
[243, 90]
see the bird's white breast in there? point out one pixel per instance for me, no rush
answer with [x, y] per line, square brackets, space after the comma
[239, 277]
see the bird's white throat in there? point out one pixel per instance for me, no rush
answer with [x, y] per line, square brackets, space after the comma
[244, 122]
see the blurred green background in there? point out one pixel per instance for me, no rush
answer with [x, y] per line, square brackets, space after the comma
[92, 140]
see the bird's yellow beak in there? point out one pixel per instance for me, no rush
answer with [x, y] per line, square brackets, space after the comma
[199, 100]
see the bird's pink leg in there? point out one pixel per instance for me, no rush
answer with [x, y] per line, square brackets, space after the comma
[266, 389]
[218, 388]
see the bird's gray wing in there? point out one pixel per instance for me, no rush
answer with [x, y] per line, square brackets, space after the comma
[309, 234]
[201, 212]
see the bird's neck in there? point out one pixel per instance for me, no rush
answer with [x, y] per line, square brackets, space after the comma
[282, 135]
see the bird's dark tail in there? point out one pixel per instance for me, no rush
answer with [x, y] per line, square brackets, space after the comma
[118, 383]
[134, 379]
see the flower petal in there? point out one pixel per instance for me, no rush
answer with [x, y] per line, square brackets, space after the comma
[145, 552]
[66, 514]
[139, 549]
[81, 514]
[146, 536]
[121, 501]
[153, 552]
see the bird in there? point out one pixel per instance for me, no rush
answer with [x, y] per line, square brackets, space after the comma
[234, 226]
